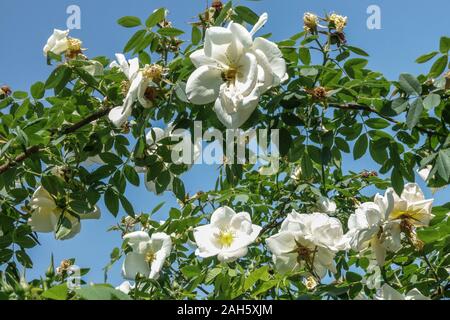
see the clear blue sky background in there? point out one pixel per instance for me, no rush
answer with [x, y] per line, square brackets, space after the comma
[409, 29]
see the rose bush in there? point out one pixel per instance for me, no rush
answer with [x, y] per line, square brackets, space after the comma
[309, 230]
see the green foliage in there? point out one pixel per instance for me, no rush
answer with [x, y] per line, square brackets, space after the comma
[395, 127]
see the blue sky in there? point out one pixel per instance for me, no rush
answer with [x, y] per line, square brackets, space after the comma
[409, 29]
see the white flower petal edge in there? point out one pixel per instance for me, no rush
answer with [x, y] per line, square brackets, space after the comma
[389, 293]
[148, 254]
[57, 42]
[307, 241]
[326, 205]
[227, 236]
[234, 71]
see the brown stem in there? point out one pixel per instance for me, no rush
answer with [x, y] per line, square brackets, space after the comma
[36, 149]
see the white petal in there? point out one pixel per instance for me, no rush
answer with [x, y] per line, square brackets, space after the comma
[119, 115]
[242, 34]
[199, 59]
[217, 40]
[281, 243]
[389, 293]
[133, 265]
[203, 238]
[230, 256]
[43, 220]
[415, 294]
[138, 241]
[203, 85]
[261, 22]
[274, 56]
[134, 68]
[222, 217]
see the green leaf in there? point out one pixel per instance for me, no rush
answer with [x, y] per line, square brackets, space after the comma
[258, 274]
[444, 45]
[178, 189]
[439, 66]
[131, 175]
[305, 55]
[111, 158]
[135, 40]
[443, 164]
[397, 181]
[307, 166]
[101, 293]
[414, 113]
[59, 76]
[377, 123]
[156, 17]
[410, 84]
[426, 57]
[20, 95]
[431, 101]
[285, 142]
[196, 35]
[126, 205]
[358, 51]
[399, 105]
[59, 292]
[38, 90]
[342, 144]
[247, 14]
[190, 271]
[353, 277]
[129, 22]
[352, 66]
[360, 147]
[170, 32]
[112, 201]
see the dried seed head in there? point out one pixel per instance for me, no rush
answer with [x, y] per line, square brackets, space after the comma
[74, 48]
[217, 5]
[318, 93]
[5, 91]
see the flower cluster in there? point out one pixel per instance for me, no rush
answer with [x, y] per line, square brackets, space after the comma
[234, 70]
[335, 21]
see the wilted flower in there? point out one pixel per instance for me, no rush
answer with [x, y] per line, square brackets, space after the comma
[311, 22]
[45, 215]
[389, 293]
[339, 22]
[233, 70]
[307, 241]
[136, 88]
[148, 255]
[227, 236]
[5, 91]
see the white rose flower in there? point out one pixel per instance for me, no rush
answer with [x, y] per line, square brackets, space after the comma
[58, 42]
[227, 236]
[139, 81]
[233, 70]
[379, 224]
[412, 206]
[389, 293]
[326, 205]
[46, 215]
[148, 255]
[307, 241]
[370, 227]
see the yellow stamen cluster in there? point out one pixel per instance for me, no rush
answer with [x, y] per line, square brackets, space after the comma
[229, 75]
[310, 21]
[124, 87]
[73, 48]
[338, 21]
[153, 72]
[150, 256]
[310, 283]
[226, 238]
